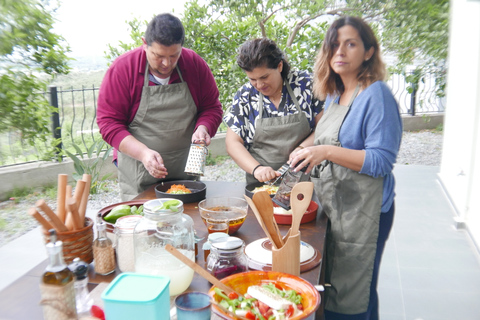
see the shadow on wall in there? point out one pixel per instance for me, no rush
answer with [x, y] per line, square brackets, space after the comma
[40, 174]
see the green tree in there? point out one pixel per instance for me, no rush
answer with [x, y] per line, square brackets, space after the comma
[28, 49]
[216, 28]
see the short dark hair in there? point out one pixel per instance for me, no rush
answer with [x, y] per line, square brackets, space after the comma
[165, 29]
[261, 52]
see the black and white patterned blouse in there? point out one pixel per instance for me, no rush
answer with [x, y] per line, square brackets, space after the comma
[244, 110]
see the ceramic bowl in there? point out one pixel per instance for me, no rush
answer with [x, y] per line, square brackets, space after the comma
[251, 186]
[283, 216]
[231, 208]
[240, 282]
[199, 190]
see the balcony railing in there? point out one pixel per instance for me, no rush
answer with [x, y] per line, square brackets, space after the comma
[75, 121]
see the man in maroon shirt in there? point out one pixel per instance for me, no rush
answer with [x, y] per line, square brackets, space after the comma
[153, 102]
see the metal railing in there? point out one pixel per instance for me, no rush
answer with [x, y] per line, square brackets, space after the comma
[74, 123]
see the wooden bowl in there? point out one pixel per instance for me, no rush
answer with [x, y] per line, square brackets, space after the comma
[241, 281]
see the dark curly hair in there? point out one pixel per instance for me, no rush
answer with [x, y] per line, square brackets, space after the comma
[259, 53]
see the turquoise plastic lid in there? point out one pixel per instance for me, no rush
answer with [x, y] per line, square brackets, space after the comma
[136, 288]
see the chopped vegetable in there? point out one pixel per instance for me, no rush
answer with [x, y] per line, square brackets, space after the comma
[178, 189]
[268, 188]
[267, 302]
[168, 205]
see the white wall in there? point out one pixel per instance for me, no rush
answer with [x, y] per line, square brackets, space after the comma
[461, 148]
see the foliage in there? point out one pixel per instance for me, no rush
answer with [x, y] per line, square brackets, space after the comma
[215, 29]
[28, 48]
[90, 163]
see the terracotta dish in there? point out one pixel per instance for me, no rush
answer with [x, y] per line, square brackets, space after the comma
[285, 217]
[241, 281]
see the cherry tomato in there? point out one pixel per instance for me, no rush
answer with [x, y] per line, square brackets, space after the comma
[250, 315]
[300, 306]
[97, 312]
[263, 308]
[233, 295]
[278, 286]
[290, 311]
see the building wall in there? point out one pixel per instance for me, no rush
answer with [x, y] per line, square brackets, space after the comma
[461, 147]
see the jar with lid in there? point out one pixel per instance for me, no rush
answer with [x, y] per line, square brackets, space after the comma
[165, 223]
[227, 257]
[124, 227]
[207, 245]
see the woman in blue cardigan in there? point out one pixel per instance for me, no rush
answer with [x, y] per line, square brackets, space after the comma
[355, 147]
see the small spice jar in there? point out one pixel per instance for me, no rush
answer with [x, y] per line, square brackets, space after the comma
[227, 257]
[103, 252]
[124, 242]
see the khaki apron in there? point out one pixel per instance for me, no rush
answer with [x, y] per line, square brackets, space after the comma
[276, 137]
[352, 202]
[164, 122]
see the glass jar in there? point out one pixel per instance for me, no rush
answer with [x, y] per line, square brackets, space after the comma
[124, 242]
[227, 257]
[164, 223]
[207, 245]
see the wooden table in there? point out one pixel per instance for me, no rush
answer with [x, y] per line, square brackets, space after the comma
[20, 299]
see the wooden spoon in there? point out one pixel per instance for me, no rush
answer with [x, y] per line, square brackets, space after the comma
[204, 273]
[300, 199]
[258, 216]
[264, 204]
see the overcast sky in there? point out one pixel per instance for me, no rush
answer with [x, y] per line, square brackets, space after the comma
[89, 25]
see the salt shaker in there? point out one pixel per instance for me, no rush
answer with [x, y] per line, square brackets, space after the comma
[83, 300]
[103, 252]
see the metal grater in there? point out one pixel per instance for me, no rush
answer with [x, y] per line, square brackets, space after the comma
[283, 169]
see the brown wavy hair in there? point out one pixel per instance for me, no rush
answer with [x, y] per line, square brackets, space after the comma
[325, 80]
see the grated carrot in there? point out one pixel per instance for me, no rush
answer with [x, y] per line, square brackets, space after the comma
[178, 189]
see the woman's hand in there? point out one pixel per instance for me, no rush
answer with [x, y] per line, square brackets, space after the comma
[264, 173]
[312, 156]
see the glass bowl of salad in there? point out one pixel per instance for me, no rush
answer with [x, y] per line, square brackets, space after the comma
[224, 208]
[265, 293]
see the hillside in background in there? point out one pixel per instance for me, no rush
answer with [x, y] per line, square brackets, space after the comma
[87, 71]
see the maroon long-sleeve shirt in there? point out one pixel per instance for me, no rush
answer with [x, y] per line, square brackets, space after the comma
[121, 90]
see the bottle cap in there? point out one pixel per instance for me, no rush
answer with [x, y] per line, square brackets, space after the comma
[79, 269]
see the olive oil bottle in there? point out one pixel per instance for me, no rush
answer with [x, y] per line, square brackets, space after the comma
[57, 284]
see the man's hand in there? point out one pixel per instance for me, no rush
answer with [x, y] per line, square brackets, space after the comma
[153, 162]
[201, 134]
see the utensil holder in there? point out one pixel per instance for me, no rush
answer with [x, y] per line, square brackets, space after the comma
[287, 258]
[77, 243]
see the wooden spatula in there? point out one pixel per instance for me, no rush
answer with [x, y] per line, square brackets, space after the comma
[300, 199]
[264, 204]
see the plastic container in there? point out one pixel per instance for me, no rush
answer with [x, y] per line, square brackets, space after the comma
[137, 296]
